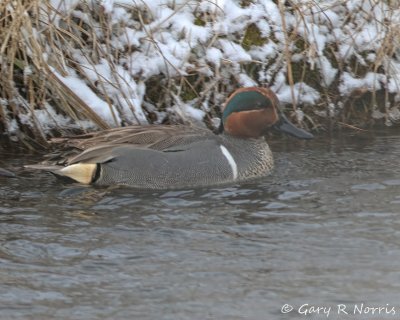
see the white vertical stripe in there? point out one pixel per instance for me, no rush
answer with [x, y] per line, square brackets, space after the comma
[231, 161]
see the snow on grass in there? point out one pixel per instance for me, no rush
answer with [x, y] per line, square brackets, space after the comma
[302, 92]
[372, 81]
[49, 119]
[80, 88]
[172, 41]
[64, 6]
[233, 51]
[194, 113]
[328, 72]
[139, 44]
[214, 56]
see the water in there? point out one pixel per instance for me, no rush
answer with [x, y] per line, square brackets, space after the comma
[322, 230]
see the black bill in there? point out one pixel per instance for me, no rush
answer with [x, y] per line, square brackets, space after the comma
[284, 125]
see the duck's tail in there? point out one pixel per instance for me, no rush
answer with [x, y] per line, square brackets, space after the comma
[80, 172]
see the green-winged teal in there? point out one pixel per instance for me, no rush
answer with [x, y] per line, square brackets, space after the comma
[163, 156]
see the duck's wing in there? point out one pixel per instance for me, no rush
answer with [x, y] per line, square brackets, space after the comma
[98, 146]
[155, 137]
[97, 154]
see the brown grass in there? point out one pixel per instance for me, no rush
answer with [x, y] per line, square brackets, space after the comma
[27, 80]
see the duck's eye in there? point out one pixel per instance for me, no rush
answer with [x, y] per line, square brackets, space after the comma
[259, 105]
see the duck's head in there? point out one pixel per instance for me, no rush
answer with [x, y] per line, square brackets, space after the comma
[250, 112]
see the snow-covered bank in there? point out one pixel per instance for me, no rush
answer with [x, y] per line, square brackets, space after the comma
[140, 61]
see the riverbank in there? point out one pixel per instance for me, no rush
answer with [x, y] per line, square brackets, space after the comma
[73, 66]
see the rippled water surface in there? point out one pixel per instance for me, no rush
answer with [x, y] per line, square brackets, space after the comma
[322, 230]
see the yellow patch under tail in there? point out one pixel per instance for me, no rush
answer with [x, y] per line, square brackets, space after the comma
[80, 172]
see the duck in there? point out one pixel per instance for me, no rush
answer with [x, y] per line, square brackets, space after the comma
[179, 156]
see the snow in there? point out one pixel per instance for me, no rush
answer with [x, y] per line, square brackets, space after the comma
[175, 37]
[64, 6]
[187, 111]
[328, 72]
[107, 5]
[302, 92]
[183, 23]
[195, 113]
[233, 52]
[79, 87]
[371, 81]
[245, 81]
[264, 52]
[214, 56]
[48, 118]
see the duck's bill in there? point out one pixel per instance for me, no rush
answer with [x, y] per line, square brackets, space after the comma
[284, 125]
